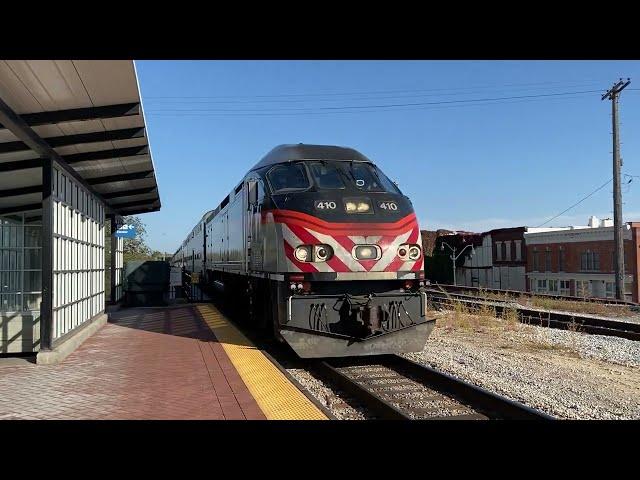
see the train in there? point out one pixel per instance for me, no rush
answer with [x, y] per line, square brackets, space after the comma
[322, 248]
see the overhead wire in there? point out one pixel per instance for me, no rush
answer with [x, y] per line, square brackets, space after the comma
[366, 108]
[577, 203]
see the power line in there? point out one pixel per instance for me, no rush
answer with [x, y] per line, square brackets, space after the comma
[196, 113]
[577, 203]
[381, 106]
[164, 101]
[383, 92]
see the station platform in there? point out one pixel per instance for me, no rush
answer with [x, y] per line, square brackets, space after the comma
[176, 362]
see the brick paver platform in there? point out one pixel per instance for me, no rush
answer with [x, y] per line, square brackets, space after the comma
[146, 363]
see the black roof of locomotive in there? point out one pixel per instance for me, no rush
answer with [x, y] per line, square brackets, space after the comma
[301, 151]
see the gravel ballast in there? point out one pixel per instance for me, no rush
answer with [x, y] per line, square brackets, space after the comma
[566, 374]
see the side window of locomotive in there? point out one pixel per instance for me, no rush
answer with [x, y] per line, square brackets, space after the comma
[370, 179]
[326, 176]
[288, 177]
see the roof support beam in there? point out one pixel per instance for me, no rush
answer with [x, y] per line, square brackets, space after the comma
[33, 141]
[120, 178]
[136, 211]
[15, 192]
[21, 165]
[125, 193]
[20, 208]
[149, 201]
[65, 140]
[79, 114]
[106, 154]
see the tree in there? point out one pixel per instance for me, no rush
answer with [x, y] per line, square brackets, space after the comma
[136, 248]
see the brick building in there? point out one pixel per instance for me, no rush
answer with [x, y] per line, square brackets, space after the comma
[580, 260]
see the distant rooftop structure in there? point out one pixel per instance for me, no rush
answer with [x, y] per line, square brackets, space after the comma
[593, 222]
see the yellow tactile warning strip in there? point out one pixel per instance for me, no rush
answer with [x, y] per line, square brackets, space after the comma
[276, 396]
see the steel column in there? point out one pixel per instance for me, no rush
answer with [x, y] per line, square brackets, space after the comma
[114, 247]
[46, 305]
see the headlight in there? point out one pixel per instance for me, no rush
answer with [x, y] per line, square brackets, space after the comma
[322, 253]
[303, 253]
[357, 205]
[414, 252]
[365, 252]
[363, 207]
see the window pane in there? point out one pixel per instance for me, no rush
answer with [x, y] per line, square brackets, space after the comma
[33, 236]
[288, 177]
[32, 281]
[32, 301]
[326, 175]
[32, 259]
[370, 179]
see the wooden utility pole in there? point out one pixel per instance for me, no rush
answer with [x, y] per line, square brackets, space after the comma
[613, 94]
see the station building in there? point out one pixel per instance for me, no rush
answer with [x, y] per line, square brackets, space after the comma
[74, 159]
[580, 260]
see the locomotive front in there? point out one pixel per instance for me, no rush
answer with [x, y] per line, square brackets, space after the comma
[348, 245]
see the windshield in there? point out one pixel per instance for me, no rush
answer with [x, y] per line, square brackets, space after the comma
[289, 176]
[369, 178]
[326, 175]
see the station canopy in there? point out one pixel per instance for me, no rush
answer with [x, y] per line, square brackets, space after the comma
[85, 113]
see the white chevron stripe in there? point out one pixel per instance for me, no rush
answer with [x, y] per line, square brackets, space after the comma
[390, 253]
[339, 251]
[360, 240]
[293, 240]
[292, 266]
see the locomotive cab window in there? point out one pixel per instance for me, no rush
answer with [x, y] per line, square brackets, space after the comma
[369, 178]
[326, 176]
[288, 177]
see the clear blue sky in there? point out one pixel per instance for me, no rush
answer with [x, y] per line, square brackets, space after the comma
[469, 165]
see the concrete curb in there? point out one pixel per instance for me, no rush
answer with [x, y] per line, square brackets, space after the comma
[68, 346]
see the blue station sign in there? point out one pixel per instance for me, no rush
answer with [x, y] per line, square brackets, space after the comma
[126, 231]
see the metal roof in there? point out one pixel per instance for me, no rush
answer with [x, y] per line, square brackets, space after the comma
[85, 113]
[301, 151]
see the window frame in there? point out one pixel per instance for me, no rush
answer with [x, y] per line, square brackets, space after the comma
[289, 190]
[308, 165]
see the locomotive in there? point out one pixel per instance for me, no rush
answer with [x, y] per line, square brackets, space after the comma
[322, 248]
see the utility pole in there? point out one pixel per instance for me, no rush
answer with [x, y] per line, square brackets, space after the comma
[613, 94]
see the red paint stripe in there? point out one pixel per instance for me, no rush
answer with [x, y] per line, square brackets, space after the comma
[334, 262]
[419, 265]
[368, 229]
[398, 263]
[304, 266]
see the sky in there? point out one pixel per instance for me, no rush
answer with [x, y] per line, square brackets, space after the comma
[476, 145]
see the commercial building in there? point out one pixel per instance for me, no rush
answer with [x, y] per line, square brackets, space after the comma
[74, 156]
[498, 261]
[580, 260]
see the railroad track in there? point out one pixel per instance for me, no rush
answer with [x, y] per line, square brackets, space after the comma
[515, 294]
[393, 387]
[546, 318]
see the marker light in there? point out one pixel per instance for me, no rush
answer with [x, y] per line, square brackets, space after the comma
[414, 252]
[402, 251]
[322, 253]
[303, 253]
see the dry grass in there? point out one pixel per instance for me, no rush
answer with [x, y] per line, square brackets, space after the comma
[579, 307]
[499, 330]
